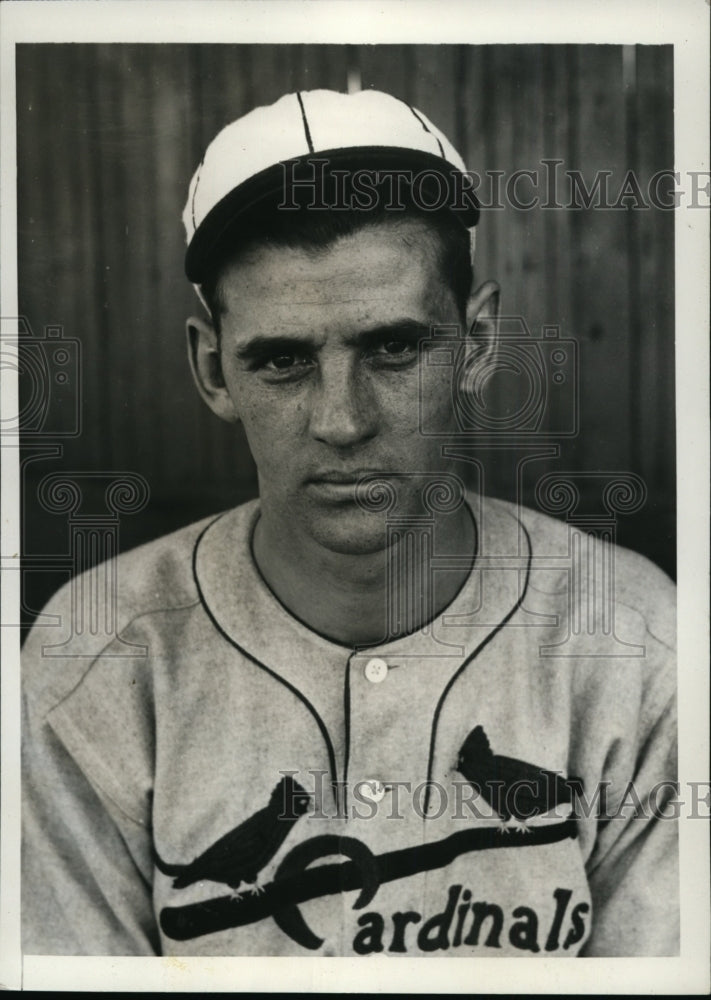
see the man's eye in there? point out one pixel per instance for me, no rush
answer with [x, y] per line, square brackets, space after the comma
[283, 364]
[394, 350]
[396, 346]
[283, 361]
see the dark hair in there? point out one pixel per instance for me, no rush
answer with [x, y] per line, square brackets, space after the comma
[316, 230]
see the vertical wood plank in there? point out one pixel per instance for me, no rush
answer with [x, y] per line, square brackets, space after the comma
[652, 244]
[654, 366]
[432, 87]
[601, 267]
[557, 128]
[386, 67]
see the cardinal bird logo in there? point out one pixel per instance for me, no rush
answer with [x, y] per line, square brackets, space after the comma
[237, 858]
[514, 789]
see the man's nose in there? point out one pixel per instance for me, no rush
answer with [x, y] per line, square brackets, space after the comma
[343, 410]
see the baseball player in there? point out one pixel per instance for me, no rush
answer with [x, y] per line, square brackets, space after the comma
[369, 712]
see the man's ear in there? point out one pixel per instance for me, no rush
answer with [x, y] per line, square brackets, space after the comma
[482, 319]
[480, 344]
[206, 366]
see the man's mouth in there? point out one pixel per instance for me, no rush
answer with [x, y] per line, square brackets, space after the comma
[338, 484]
[341, 476]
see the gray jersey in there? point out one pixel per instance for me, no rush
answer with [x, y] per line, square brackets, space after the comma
[454, 776]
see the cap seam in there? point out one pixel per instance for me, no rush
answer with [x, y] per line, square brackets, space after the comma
[197, 181]
[428, 130]
[307, 130]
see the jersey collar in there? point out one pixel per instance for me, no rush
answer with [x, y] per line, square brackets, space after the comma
[248, 614]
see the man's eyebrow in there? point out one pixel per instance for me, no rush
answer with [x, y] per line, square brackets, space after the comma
[261, 345]
[405, 326]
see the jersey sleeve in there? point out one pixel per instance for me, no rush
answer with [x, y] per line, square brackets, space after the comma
[86, 865]
[633, 871]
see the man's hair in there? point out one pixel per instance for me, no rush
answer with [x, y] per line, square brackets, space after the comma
[317, 230]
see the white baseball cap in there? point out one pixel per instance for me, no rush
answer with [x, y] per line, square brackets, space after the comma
[287, 148]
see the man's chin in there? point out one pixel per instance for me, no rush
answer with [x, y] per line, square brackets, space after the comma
[348, 529]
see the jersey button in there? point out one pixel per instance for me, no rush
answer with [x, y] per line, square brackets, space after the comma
[376, 670]
[373, 789]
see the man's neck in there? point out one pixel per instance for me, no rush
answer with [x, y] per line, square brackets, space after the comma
[365, 599]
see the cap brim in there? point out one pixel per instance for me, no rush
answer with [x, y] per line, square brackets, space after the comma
[271, 187]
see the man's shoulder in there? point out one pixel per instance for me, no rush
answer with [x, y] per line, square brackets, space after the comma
[160, 573]
[581, 554]
[152, 578]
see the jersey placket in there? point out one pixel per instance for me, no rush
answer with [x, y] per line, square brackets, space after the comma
[391, 699]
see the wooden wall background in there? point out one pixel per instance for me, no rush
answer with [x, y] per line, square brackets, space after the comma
[108, 137]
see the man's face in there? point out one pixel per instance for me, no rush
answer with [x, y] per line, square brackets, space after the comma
[321, 362]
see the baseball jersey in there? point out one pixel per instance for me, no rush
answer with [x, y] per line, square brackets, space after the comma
[214, 778]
